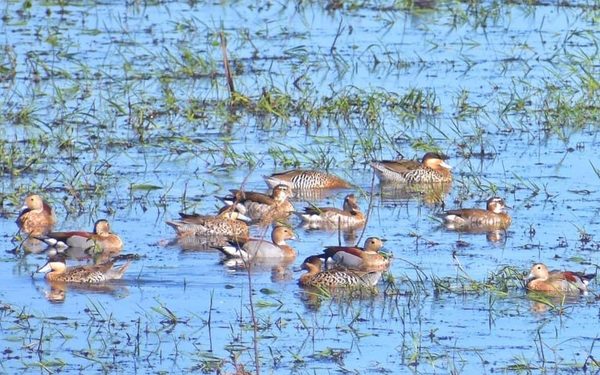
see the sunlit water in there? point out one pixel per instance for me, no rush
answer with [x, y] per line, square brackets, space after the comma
[107, 57]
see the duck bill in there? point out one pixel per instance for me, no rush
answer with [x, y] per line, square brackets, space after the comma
[528, 278]
[45, 268]
[445, 165]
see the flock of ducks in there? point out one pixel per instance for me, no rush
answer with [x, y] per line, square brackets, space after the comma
[335, 267]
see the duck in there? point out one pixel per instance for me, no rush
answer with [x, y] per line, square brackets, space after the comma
[349, 217]
[494, 217]
[298, 179]
[336, 277]
[36, 217]
[542, 280]
[431, 169]
[57, 271]
[251, 249]
[101, 239]
[262, 207]
[228, 223]
[367, 258]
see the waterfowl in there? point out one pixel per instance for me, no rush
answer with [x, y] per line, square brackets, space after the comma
[349, 217]
[492, 218]
[337, 277]
[542, 280]
[299, 179]
[431, 169]
[36, 217]
[56, 270]
[262, 207]
[228, 223]
[365, 258]
[101, 238]
[263, 249]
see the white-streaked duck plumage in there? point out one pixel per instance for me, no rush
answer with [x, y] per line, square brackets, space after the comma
[336, 277]
[431, 169]
[262, 207]
[228, 223]
[299, 179]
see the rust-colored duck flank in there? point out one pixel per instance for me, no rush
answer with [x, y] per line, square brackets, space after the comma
[494, 217]
[101, 238]
[431, 169]
[262, 207]
[349, 216]
[36, 217]
[367, 258]
[336, 277]
[542, 280]
[228, 223]
[299, 179]
[56, 270]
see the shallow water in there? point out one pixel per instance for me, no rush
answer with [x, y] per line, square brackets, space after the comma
[126, 107]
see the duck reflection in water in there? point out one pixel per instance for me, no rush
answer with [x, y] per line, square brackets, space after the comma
[59, 290]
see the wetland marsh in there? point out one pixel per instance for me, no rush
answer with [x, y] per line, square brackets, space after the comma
[122, 110]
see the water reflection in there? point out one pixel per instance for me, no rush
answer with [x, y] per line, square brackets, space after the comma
[314, 298]
[493, 235]
[198, 243]
[280, 269]
[430, 194]
[33, 246]
[58, 290]
[349, 235]
[542, 302]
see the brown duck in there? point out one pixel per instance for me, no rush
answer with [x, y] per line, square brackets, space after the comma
[101, 239]
[337, 277]
[36, 217]
[431, 169]
[299, 179]
[492, 218]
[330, 217]
[262, 207]
[56, 270]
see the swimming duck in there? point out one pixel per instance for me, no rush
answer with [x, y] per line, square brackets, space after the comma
[365, 258]
[262, 207]
[260, 248]
[493, 218]
[349, 217]
[101, 238]
[36, 217]
[298, 179]
[228, 223]
[431, 169]
[542, 280]
[57, 270]
[337, 277]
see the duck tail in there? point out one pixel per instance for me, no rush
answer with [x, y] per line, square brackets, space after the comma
[182, 228]
[231, 251]
[52, 242]
[117, 273]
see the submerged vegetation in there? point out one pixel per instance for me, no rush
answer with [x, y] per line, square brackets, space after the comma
[141, 110]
